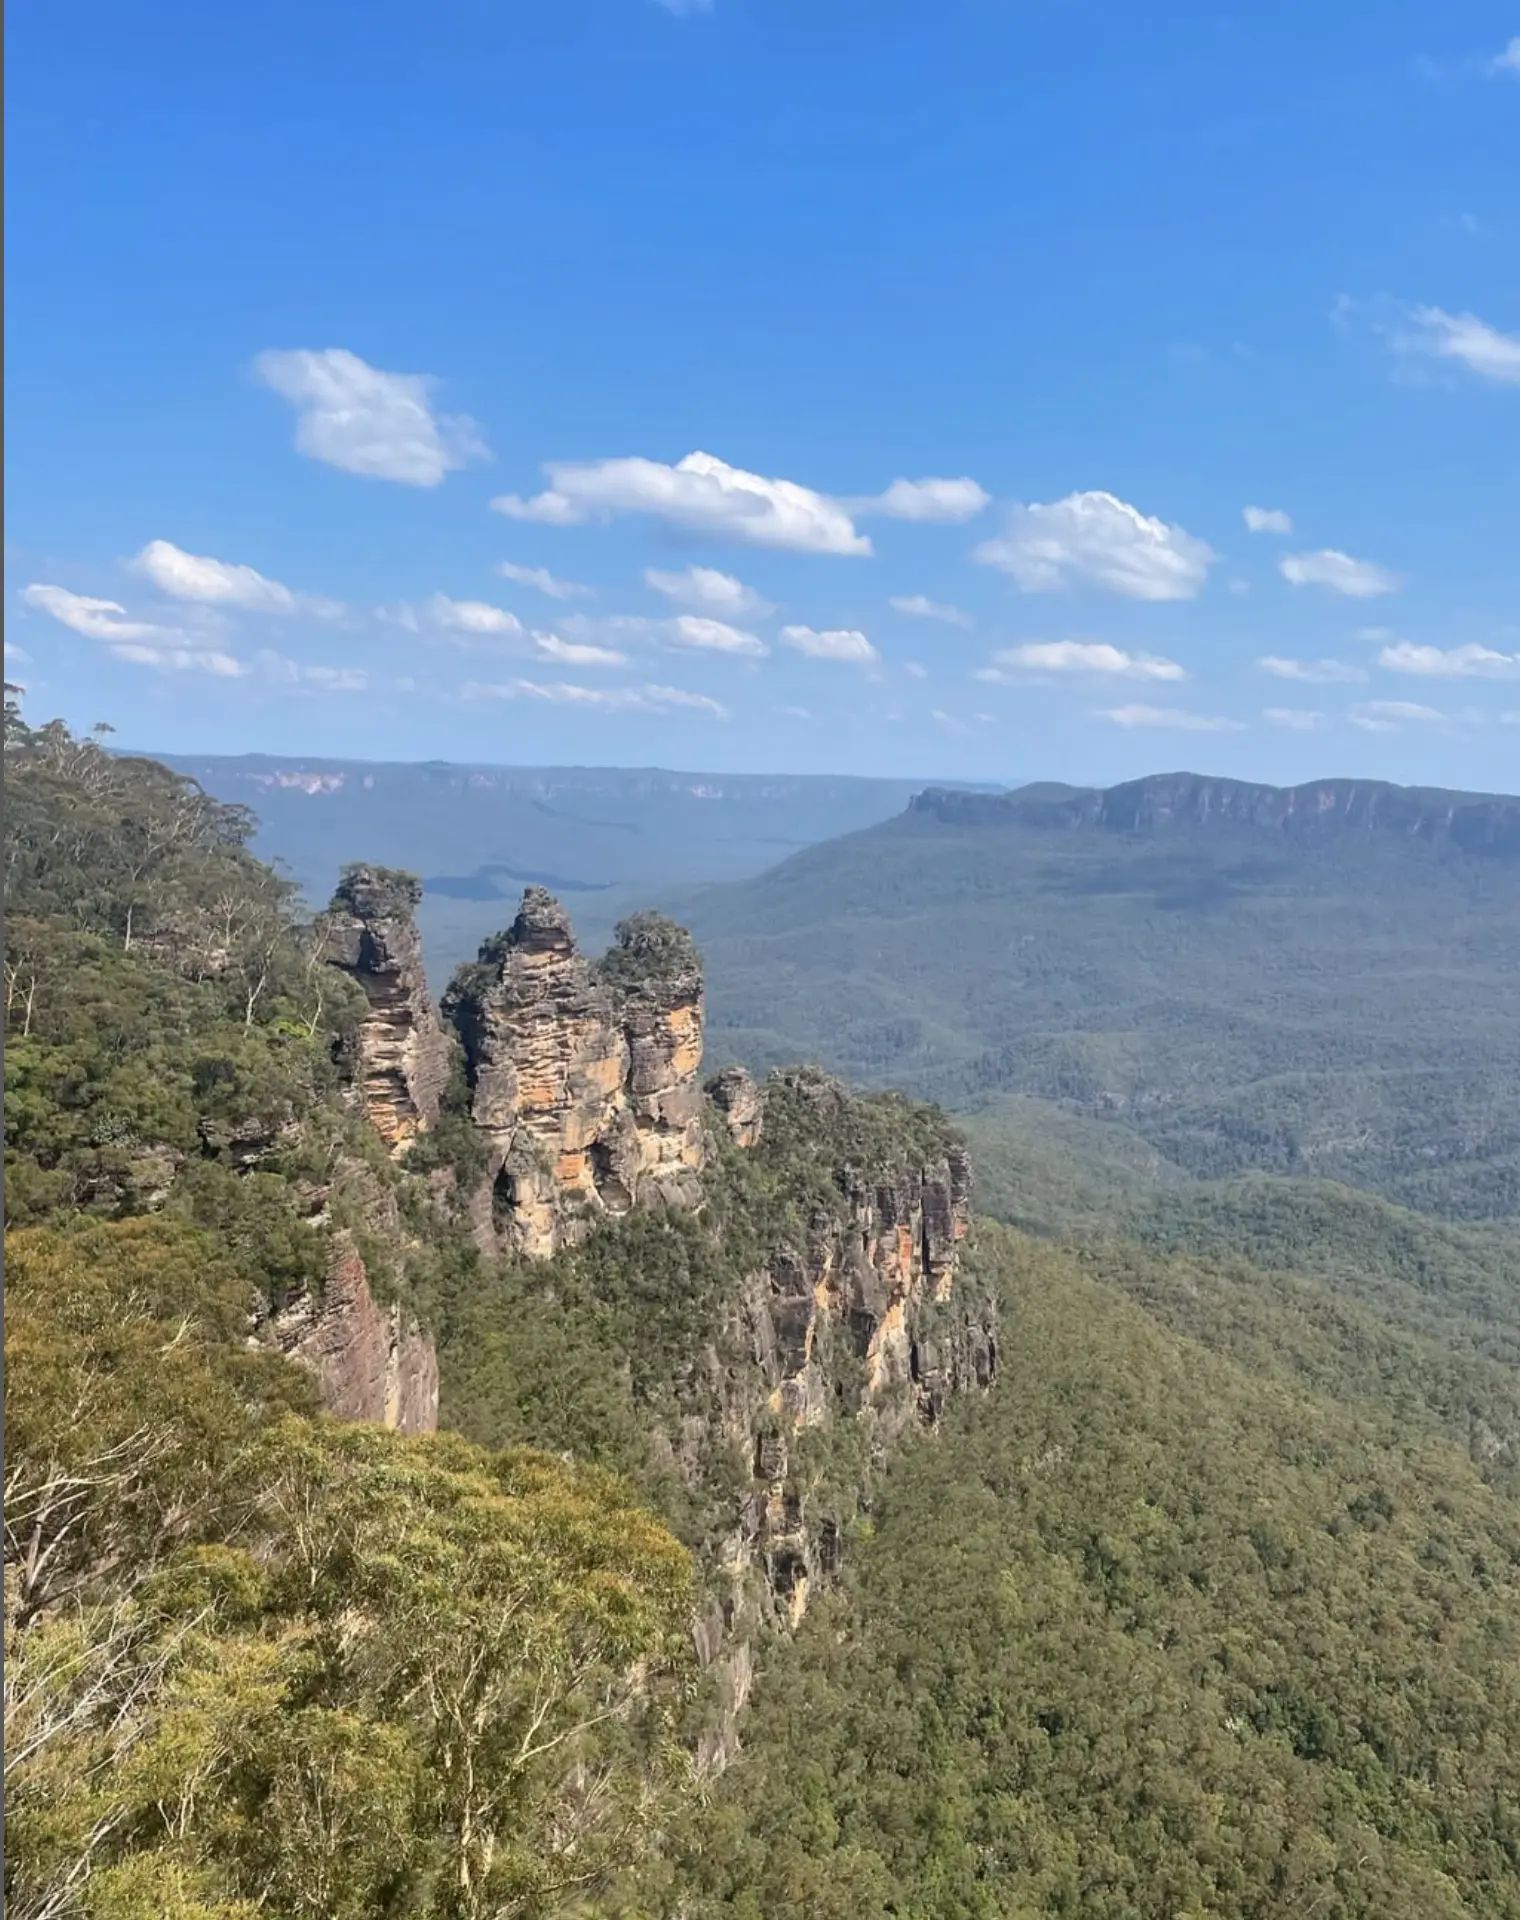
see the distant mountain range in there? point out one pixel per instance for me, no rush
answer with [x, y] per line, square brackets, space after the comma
[1321, 979]
[1481, 823]
[606, 838]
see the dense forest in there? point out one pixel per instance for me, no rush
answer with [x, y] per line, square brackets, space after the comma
[1207, 1609]
[1337, 1003]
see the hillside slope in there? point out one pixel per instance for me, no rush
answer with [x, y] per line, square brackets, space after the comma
[1320, 981]
[1160, 1628]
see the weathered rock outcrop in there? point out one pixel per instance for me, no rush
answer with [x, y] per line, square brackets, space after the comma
[371, 1362]
[741, 1104]
[403, 1063]
[583, 1078]
[858, 1327]
[850, 1326]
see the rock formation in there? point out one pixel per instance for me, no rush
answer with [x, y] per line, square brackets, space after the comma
[583, 1079]
[403, 1052]
[739, 1100]
[844, 1320]
[850, 1327]
[858, 1322]
[371, 1362]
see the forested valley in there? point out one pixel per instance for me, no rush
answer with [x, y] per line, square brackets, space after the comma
[1160, 1559]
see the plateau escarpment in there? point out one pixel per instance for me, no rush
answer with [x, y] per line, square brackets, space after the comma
[1477, 823]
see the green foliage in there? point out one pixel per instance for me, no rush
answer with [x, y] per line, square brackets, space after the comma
[130, 1389]
[647, 947]
[257, 1662]
[1346, 1007]
[1206, 1612]
[163, 1001]
[605, 1349]
[261, 1661]
[1144, 1633]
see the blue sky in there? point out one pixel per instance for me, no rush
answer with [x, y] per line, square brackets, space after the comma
[986, 323]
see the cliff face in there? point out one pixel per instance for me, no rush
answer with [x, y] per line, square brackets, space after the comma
[1484, 824]
[583, 1079]
[848, 1320]
[857, 1327]
[371, 1362]
[403, 1062]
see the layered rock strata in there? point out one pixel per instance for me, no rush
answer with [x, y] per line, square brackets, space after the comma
[403, 1051]
[371, 1362]
[583, 1078]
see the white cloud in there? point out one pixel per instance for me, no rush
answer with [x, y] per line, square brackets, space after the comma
[1299, 719]
[576, 653]
[544, 582]
[1266, 520]
[18, 654]
[920, 607]
[1510, 719]
[1080, 656]
[1470, 662]
[1096, 539]
[713, 636]
[709, 591]
[700, 494]
[645, 699]
[1318, 673]
[471, 616]
[795, 713]
[1358, 579]
[220, 583]
[324, 679]
[914, 671]
[1463, 337]
[1386, 716]
[137, 642]
[96, 619]
[837, 643]
[942, 501]
[380, 425]
[179, 659]
[1175, 719]
[547, 509]
[684, 632]
[1509, 60]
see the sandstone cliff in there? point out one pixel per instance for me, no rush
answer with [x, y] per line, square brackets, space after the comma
[844, 1319]
[583, 1079]
[403, 1052]
[1475, 823]
[371, 1362]
[856, 1326]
